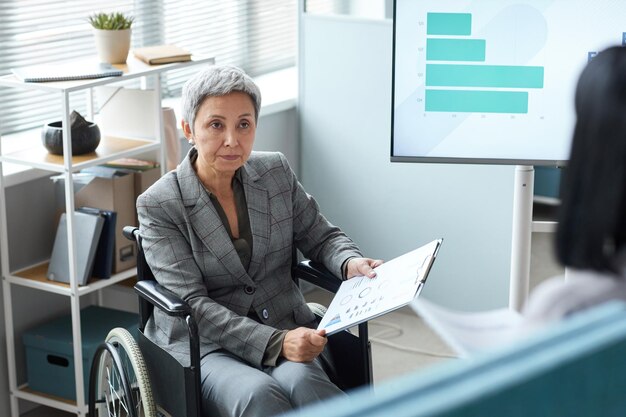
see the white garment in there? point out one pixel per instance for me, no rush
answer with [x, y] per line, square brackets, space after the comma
[557, 298]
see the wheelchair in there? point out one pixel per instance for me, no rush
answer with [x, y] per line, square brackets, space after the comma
[135, 378]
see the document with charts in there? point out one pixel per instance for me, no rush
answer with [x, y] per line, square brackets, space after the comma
[396, 284]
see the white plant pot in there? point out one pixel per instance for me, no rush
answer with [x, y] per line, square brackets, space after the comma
[112, 45]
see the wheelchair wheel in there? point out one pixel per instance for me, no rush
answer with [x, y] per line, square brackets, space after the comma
[109, 390]
[121, 385]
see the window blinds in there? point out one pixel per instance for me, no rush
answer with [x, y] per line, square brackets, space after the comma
[257, 35]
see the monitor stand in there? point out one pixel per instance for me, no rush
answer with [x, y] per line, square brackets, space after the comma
[521, 235]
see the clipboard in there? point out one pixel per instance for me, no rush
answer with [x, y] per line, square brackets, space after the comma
[396, 284]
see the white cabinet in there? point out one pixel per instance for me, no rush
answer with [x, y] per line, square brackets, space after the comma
[110, 148]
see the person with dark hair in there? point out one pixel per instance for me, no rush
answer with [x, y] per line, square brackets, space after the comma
[591, 233]
[219, 232]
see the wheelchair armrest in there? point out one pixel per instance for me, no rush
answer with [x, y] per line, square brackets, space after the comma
[318, 275]
[130, 232]
[162, 298]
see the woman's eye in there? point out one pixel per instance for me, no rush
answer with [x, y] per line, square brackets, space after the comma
[216, 125]
[244, 124]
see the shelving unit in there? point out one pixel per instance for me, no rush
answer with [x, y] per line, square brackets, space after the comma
[110, 148]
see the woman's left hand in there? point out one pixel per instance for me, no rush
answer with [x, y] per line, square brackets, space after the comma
[362, 266]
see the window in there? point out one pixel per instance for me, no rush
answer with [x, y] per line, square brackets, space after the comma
[371, 9]
[258, 35]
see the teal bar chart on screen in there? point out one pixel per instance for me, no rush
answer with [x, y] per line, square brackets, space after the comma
[477, 101]
[493, 81]
[483, 76]
[451, 24]
[468, 72]
[455, 49]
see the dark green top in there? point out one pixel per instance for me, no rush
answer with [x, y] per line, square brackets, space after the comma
[243, 246]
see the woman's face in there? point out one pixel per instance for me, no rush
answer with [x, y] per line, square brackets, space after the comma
[224, 132]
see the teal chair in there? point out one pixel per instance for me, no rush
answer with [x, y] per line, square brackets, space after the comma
[575, 368]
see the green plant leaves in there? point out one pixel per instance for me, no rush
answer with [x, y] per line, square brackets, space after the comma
[111, 21]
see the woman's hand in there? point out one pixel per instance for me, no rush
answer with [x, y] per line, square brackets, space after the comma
[303, 344]
[362, 266]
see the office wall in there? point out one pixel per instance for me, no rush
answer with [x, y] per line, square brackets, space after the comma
[30, 210]
[345, 113]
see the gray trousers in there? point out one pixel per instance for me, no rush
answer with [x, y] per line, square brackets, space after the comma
[231, 387]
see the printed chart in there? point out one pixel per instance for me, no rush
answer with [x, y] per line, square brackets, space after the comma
[397, 283]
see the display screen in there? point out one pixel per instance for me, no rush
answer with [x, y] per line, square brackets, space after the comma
[493, 81]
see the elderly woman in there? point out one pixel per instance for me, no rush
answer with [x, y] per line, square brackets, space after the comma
[591, 235]
[219, 231]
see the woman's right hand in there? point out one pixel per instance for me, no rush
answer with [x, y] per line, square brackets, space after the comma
[303, 344]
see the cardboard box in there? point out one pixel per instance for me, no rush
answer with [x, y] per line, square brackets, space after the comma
[113, 189]
[116, 194]
[145, 172]
[49, 348]
[144, 179]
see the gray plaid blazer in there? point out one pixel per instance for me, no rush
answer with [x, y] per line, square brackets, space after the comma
[191, 254]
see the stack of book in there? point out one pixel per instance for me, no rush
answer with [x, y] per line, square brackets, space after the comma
[132, 163]
[162, 54]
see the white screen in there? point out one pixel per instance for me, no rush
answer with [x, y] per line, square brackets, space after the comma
[493, 81]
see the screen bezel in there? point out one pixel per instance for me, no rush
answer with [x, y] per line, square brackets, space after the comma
[449, 160]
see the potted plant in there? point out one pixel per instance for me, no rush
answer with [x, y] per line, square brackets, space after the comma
[112, 34]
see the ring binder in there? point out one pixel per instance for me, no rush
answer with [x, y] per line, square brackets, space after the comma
[88, 228]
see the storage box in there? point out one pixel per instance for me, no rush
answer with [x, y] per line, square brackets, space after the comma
[145, 172]
[115, 189]
[144, 179]
[109, 190]
[50, 354]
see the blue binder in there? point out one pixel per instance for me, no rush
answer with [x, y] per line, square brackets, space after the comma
[103, 262]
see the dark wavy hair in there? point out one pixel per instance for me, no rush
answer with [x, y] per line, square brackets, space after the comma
[592, 219]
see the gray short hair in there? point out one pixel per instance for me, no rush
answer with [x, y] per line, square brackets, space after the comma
[217, 80]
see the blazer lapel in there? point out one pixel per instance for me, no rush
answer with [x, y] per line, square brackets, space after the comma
[257, 199]
[206, 222]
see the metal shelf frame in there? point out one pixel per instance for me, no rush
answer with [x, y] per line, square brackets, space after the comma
[68, 166]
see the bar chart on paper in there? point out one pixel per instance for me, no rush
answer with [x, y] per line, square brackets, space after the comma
[493, 79]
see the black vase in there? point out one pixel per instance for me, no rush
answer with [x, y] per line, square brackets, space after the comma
[85, 139]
